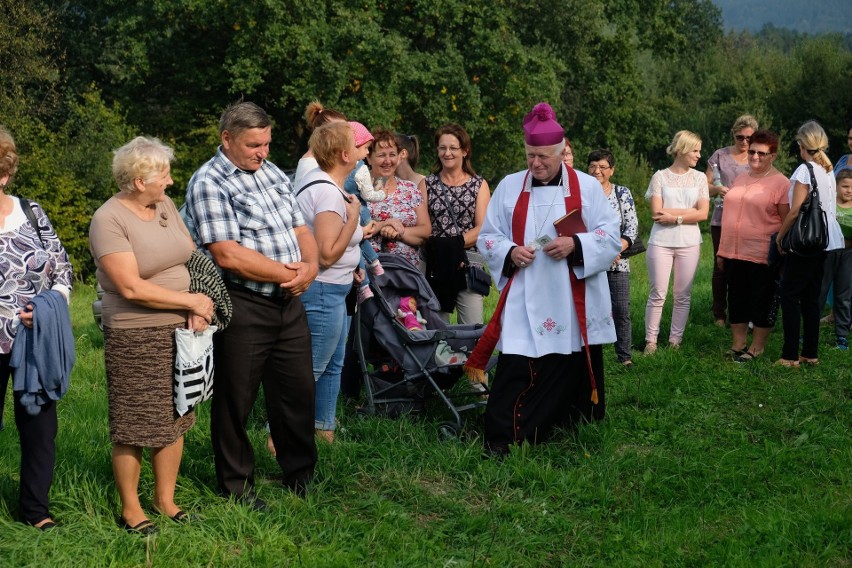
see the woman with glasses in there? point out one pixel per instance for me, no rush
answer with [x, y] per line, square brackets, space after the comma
[723, 167]
[402, 221]
[679, 201]
[755, 205]
[458, 198]
[802, 278]
[601, 164]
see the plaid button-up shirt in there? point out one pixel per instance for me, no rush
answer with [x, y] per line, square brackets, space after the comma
[256, 209]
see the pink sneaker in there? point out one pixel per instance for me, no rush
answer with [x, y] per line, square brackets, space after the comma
[375, 268]
[364, 294]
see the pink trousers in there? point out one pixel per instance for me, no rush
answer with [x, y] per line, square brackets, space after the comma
[660, 261]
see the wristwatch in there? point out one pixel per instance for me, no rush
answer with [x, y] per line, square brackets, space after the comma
[680, 219]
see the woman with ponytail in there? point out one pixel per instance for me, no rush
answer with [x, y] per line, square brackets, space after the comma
[800, 284]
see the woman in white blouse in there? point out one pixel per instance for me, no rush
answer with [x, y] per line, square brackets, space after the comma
[680, 199]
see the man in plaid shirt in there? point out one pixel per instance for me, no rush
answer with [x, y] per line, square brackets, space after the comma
[243, 211]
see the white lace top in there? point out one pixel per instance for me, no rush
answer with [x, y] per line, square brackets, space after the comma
[678, 191]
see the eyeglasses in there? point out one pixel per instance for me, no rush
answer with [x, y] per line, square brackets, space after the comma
[760, 155]
[595, 167]
[742, 138]
[450, 149]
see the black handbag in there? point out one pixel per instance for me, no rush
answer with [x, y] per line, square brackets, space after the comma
[477, 279]
[637, 247]
[809, 234]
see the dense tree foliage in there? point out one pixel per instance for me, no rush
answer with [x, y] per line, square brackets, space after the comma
[83, 76]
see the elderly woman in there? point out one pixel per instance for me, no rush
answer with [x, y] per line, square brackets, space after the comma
[755, 205]
[402, 220]
[679, 201]
[802, 278]
[140, 245]
[601, 164]
[458, 199]
[32, 263]
[723, 167]
[333, 216]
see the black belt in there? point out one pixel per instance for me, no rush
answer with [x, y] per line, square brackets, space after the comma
[281, 298]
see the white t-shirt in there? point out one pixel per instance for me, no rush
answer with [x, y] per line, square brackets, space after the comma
[304, 166]
[319, 198]
[678, 191]
[827, 189]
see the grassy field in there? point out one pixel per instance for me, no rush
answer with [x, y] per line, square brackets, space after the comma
[700, 462]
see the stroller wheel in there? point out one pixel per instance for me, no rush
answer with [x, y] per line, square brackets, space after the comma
[448, 431]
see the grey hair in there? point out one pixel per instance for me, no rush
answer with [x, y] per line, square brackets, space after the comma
[140, 158]
[243, 116]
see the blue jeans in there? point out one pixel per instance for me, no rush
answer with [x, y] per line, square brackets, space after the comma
[325, 306]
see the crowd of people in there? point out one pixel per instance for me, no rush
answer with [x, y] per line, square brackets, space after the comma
[296, 255]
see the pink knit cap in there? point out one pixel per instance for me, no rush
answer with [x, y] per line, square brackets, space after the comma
[362, 135]
[541, 128]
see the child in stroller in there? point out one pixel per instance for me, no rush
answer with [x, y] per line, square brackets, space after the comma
[403, 357]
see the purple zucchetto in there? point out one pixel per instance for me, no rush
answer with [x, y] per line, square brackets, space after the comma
[541, 128]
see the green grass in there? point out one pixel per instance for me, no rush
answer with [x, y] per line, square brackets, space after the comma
[700, 462]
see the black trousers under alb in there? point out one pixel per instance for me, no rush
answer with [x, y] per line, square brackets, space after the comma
[37, 435]
[529, 397]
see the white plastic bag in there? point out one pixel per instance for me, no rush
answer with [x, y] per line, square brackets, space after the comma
[193, 368]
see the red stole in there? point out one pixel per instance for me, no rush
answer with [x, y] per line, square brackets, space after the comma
[478, 359]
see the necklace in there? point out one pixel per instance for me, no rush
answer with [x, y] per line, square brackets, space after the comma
[456, 181]
[763, 175]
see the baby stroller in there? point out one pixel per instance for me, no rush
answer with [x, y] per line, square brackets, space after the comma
[402, 366]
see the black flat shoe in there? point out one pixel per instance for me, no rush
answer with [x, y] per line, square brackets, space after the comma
[145, 528]
[182, 518]
[46, 526]
[252, 501]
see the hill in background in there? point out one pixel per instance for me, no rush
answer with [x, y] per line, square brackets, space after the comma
[814, 17]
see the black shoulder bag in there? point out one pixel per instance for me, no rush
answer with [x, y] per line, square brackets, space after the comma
[809, 234]
[478, 280]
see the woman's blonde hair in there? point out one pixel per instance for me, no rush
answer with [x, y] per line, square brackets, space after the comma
[745, 121]
[813, 139]
[328, 141]
[142, 157]
[684, 141]
[8, 154]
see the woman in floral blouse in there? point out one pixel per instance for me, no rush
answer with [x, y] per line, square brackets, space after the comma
[601, 164]
[402, 220]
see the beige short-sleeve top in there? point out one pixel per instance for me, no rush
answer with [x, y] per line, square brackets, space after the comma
[161, 247]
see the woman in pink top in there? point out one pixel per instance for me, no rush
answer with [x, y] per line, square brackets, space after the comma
[755, 206]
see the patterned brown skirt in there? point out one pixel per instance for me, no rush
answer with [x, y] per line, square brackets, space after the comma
[140, 375]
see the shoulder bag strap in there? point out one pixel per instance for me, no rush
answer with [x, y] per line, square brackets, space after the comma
[446, 204]
[318, 181]
[26, 205]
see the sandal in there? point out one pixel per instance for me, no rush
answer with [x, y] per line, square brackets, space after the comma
[735, 352]
[745, 357]
[144, 528]
[787, 363]
[809, 361]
